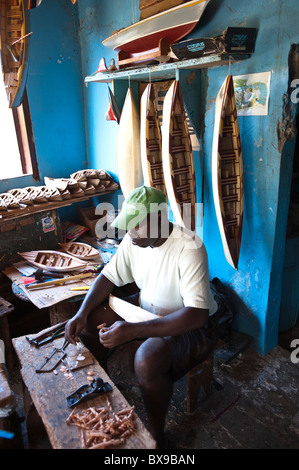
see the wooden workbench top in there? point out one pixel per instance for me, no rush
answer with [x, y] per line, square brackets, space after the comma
[49, 391]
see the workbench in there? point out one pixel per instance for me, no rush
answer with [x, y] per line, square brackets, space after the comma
[48, 392]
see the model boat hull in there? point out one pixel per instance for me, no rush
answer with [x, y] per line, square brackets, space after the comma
[128, 147]
[151, 142]
[14, 50]
[178, 164]
[80, 250]
[53, 260]
[172, 25]
[227, 172]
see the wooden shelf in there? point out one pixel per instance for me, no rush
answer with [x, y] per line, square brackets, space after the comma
[46, 206]
[165, 71]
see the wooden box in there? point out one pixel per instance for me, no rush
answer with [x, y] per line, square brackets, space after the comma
[39, 231]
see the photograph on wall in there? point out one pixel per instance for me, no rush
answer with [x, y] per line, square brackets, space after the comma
[252, 93]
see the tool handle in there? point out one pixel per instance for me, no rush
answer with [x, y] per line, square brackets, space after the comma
[48, 331]
[59, 281]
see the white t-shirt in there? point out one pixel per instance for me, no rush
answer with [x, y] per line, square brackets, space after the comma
[170, 277]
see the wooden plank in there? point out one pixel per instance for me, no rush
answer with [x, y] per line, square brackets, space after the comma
[49, 391]
[130, 312]
[151, 8]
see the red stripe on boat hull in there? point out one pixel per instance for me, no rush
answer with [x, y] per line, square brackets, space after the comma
[151, 41]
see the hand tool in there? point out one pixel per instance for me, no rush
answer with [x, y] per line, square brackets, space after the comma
[41, 275]
[61, 350]
[59, 281]
[47, 335]
[89, 391]
[81, 288]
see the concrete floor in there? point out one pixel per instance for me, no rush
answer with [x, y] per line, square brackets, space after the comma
[254, 404]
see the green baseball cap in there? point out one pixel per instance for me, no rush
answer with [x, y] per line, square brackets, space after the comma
[139, 203]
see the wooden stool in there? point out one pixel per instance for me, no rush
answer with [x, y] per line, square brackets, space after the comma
[199, 382]
[6, 308]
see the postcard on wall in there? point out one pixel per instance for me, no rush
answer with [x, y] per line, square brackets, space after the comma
[252, 93]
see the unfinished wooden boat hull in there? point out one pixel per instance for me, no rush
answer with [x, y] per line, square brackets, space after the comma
[130, 312]
[172, 25]
[80, 250]
[128, 147]
[178, 164]
[151, 142]
[15, 24]
[227, 172]
[53, 260]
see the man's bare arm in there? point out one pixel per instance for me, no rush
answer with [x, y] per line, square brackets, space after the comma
[97, 294]
[176, 323]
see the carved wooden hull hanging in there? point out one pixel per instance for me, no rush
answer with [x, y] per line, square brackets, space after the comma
[178, 164]
[14, 38]
[151, 142]
[128, 147]
[227, 172]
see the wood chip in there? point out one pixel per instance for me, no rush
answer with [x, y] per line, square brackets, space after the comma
[102, 428]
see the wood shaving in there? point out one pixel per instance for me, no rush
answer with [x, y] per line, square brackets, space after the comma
[102, 428]
[80, 357]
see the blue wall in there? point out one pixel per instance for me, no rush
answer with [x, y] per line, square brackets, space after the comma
[256, 287]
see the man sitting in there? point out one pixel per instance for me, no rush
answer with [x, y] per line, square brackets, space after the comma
[170, 267]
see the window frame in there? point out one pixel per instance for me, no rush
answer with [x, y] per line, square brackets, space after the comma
[25, 139]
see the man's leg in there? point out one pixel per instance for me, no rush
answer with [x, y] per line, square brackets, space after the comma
[153, 363]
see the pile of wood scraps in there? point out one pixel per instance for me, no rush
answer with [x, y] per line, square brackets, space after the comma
[102, 428]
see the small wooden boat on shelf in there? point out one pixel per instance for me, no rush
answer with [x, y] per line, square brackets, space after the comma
[128, 147]
[151, 142]
[178, 164]
[36, 194]
[61, 183]
[9, 201]
[14, 40]
[227, 172]
[80, 250]
[53, 260]
[21, 196]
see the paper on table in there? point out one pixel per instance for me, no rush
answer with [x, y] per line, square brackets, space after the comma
[43, 298]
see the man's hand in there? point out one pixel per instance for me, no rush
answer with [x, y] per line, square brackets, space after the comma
[119, 333]
[73, 328]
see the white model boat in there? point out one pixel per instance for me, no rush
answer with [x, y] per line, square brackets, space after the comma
[172, 25]
[227, 172]
[128, 147]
